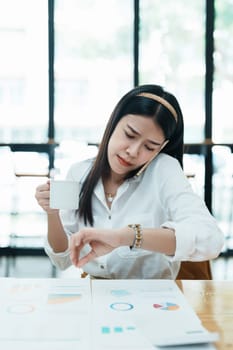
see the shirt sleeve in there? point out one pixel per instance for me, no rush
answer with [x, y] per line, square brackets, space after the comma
[70, 221]
[198, 236]
[60, 260]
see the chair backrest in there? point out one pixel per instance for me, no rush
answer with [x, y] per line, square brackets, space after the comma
[190, 270]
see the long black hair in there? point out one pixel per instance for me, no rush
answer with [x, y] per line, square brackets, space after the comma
[133, 103]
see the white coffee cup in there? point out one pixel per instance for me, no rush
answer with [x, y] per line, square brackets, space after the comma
[64, 194]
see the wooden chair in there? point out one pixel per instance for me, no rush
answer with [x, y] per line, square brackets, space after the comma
[190, 270]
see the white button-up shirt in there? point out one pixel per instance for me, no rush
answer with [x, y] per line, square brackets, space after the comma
[160, 197]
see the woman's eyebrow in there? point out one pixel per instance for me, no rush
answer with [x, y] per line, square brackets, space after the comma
[132, 129]
[138, 133]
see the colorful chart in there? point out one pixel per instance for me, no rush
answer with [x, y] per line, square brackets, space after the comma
[166, 306]
[121, 306]
[63, 298]
[119, 292]
[22, 288]
[116, 329]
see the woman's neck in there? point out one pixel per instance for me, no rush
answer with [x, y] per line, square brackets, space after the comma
[114, 179]
[111, 185]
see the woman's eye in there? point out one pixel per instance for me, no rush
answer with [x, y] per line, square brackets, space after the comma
[149, 149]
[129, 135]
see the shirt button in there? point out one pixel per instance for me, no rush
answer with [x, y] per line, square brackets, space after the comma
[102, 266]
[109, 217]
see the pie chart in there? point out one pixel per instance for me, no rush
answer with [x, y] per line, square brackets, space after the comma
[167, 306]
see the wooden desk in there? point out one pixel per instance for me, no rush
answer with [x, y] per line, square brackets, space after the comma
[213, 303]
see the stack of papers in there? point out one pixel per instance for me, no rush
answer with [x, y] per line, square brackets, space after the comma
[46, 314]
[148, 314]
[83, 314]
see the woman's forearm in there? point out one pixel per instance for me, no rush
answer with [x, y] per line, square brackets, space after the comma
[161, 240]
[103, 241]
[57, 237]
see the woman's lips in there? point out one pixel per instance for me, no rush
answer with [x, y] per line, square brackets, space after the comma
[123, 162]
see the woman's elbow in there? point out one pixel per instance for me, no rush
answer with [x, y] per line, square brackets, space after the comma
[214, 246]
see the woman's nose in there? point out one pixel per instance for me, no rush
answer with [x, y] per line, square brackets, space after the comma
[133, 149]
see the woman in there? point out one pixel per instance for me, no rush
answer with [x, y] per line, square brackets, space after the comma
[138, 216]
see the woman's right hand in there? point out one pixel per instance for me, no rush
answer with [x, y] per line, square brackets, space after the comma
[42, 196]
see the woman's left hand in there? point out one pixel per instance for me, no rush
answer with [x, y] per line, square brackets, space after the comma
[101, 241]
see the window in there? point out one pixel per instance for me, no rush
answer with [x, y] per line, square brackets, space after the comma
[93, 64]
[223, 78]
[172, 44]
[23, 71]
